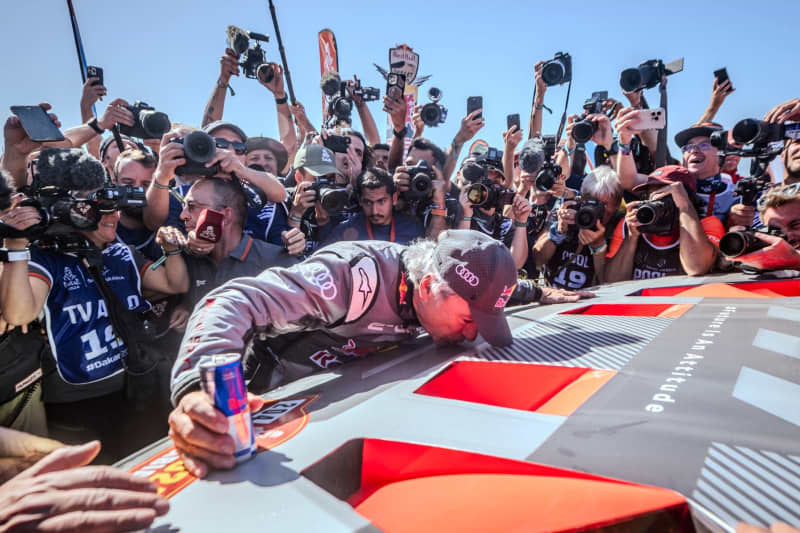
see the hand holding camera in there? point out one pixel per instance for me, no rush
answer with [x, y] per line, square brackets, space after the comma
[402, 179]
[594, 238]
[228, 66]
[171, 156]
[304, 198]
[566, 216]
[116, 112]
[20, 217]
[541, 86]
[275, 83]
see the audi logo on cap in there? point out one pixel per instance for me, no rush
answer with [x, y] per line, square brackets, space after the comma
[467, 275]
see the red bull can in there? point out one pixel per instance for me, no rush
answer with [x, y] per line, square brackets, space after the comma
[222, 379]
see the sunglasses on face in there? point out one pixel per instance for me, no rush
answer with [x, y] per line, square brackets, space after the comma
[235, 146]
[703, 146]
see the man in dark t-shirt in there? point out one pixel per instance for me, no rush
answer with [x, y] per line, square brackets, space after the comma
[376, 220]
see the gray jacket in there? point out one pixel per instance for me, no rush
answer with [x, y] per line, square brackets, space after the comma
[354, 295]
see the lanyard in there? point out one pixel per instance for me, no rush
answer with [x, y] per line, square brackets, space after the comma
[369, 230]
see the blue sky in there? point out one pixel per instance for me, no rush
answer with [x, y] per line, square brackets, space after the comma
[167, 52]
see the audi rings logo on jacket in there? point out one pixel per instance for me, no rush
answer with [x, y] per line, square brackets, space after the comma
[467, 275]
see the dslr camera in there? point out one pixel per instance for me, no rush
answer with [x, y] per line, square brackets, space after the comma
[550, 171]
[657, 216]
[588, 212]
[648, 74]
[488, 194]
[148, 123]
[736, 243]
[583, 129]
[332, 196]
[199, 148]
[254, 60]
[761, 133]
[558, 70]
[420, 186]
[433, 113]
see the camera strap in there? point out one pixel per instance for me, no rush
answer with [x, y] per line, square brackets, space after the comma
[564, 115]
[122, 319]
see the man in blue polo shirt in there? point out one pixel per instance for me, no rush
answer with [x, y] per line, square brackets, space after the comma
[377, 221]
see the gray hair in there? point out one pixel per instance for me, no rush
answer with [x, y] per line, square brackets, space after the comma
[602, 182]
[419, 261]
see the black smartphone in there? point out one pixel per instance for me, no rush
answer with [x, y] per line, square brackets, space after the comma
[722, 77]
[337, 143]
[512, 120]
[37, 123]
[95, 72]
[395, 85]
[473, 103]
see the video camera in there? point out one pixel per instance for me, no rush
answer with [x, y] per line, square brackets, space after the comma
[657, 216]
[648, 74]
[433, 113]
[340, 104]
[583, 129]
[550, 171]
[331, 195]
[588, 212]
[558, 70]
[61, 212]
[254, 60]
[736, 243]
[148, 123]
[763, 142]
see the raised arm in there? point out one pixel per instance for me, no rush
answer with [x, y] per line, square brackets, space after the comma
[229, 66]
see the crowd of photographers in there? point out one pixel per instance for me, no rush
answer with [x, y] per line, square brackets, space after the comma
[113, 234]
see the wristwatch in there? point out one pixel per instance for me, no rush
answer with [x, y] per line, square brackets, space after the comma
[95, 126]
[625, 149]
[11, 256]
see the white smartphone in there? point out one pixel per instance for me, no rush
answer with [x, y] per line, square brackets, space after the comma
[651, 119]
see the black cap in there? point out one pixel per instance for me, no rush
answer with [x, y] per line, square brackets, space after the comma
[479, 269]
[705, 129]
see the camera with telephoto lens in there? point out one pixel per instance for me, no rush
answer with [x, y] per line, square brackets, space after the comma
[147, 122]
[118, 197]
[254, 60]
[199, 148]
[489, 194]
[332, 196]
[657, 216]
[558, 70]
[736, 243]
[648, 74]
[588, 212]
[759, 132]
[433, 113]
[420, 185]
[583, 129]
[550, 171]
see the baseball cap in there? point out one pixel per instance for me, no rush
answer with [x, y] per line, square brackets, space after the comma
[704, 129]
[481, 270]
[666, 175]
[219, 124]
[266, 143]
[316, 159]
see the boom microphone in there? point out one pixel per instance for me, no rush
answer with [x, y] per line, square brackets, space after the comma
[69, 169]
[531, 156]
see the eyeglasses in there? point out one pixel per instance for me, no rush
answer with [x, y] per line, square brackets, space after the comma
[225, 143]
[703, 146]
[193, 207]
[788, 191]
